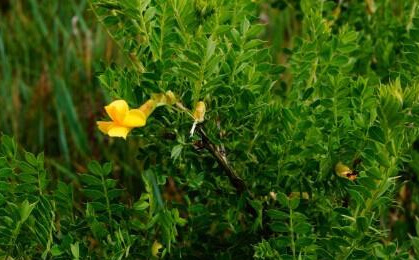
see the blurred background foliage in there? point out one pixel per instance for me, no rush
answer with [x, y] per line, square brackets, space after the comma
[51, 53]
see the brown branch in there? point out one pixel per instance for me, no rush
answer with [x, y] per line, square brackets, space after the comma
[235, 180]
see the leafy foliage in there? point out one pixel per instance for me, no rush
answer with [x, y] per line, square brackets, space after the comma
[43, 223]
[340, 107]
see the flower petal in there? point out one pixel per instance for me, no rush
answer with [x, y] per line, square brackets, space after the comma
[119, 131]
[104, 126]
[117, 110]
[148, 107]
[134, 118]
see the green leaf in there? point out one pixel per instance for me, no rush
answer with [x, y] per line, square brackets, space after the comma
[340, 60]
[26, 210]
[95, 168]
[93, 194]
[90, 180]
[375, 173]
[149, 14]
[294, 202]
[277, 214]
[176, 152]
[415, 243]
[282, 199]
[349, 37]
[107, 168]
[377, 134]
[74, 248]
[8, 146]
[304, 242]
[141, 205]
[31, 159]
[383, 159]
[114, 193]
[302, 228]
[56, 251]
[279, 227]
[355, 195]
[362, 224]
[6, 172]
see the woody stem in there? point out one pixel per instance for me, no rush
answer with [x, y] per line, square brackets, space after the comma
[237, 182]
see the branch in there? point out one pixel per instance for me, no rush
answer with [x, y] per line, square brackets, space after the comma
[237, 182]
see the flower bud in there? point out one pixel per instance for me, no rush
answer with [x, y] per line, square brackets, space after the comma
[155, 248]
[163, 99]
[159, 98]
[170, 98]
[199, 112]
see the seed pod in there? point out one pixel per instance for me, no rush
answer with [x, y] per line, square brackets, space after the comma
[272, 195]
[155, 249]
[163, 99]
[199, 112]
[371, 8]
[345, 172]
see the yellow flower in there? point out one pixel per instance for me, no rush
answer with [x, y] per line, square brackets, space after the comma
[124, 119]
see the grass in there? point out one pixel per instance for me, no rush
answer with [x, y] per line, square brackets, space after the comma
[49, 51]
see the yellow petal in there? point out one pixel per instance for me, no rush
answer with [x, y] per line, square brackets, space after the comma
[117, 110]
[104, 126]
[119, 131]
[134, 118]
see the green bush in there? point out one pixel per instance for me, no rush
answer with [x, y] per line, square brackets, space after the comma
[296, 159]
